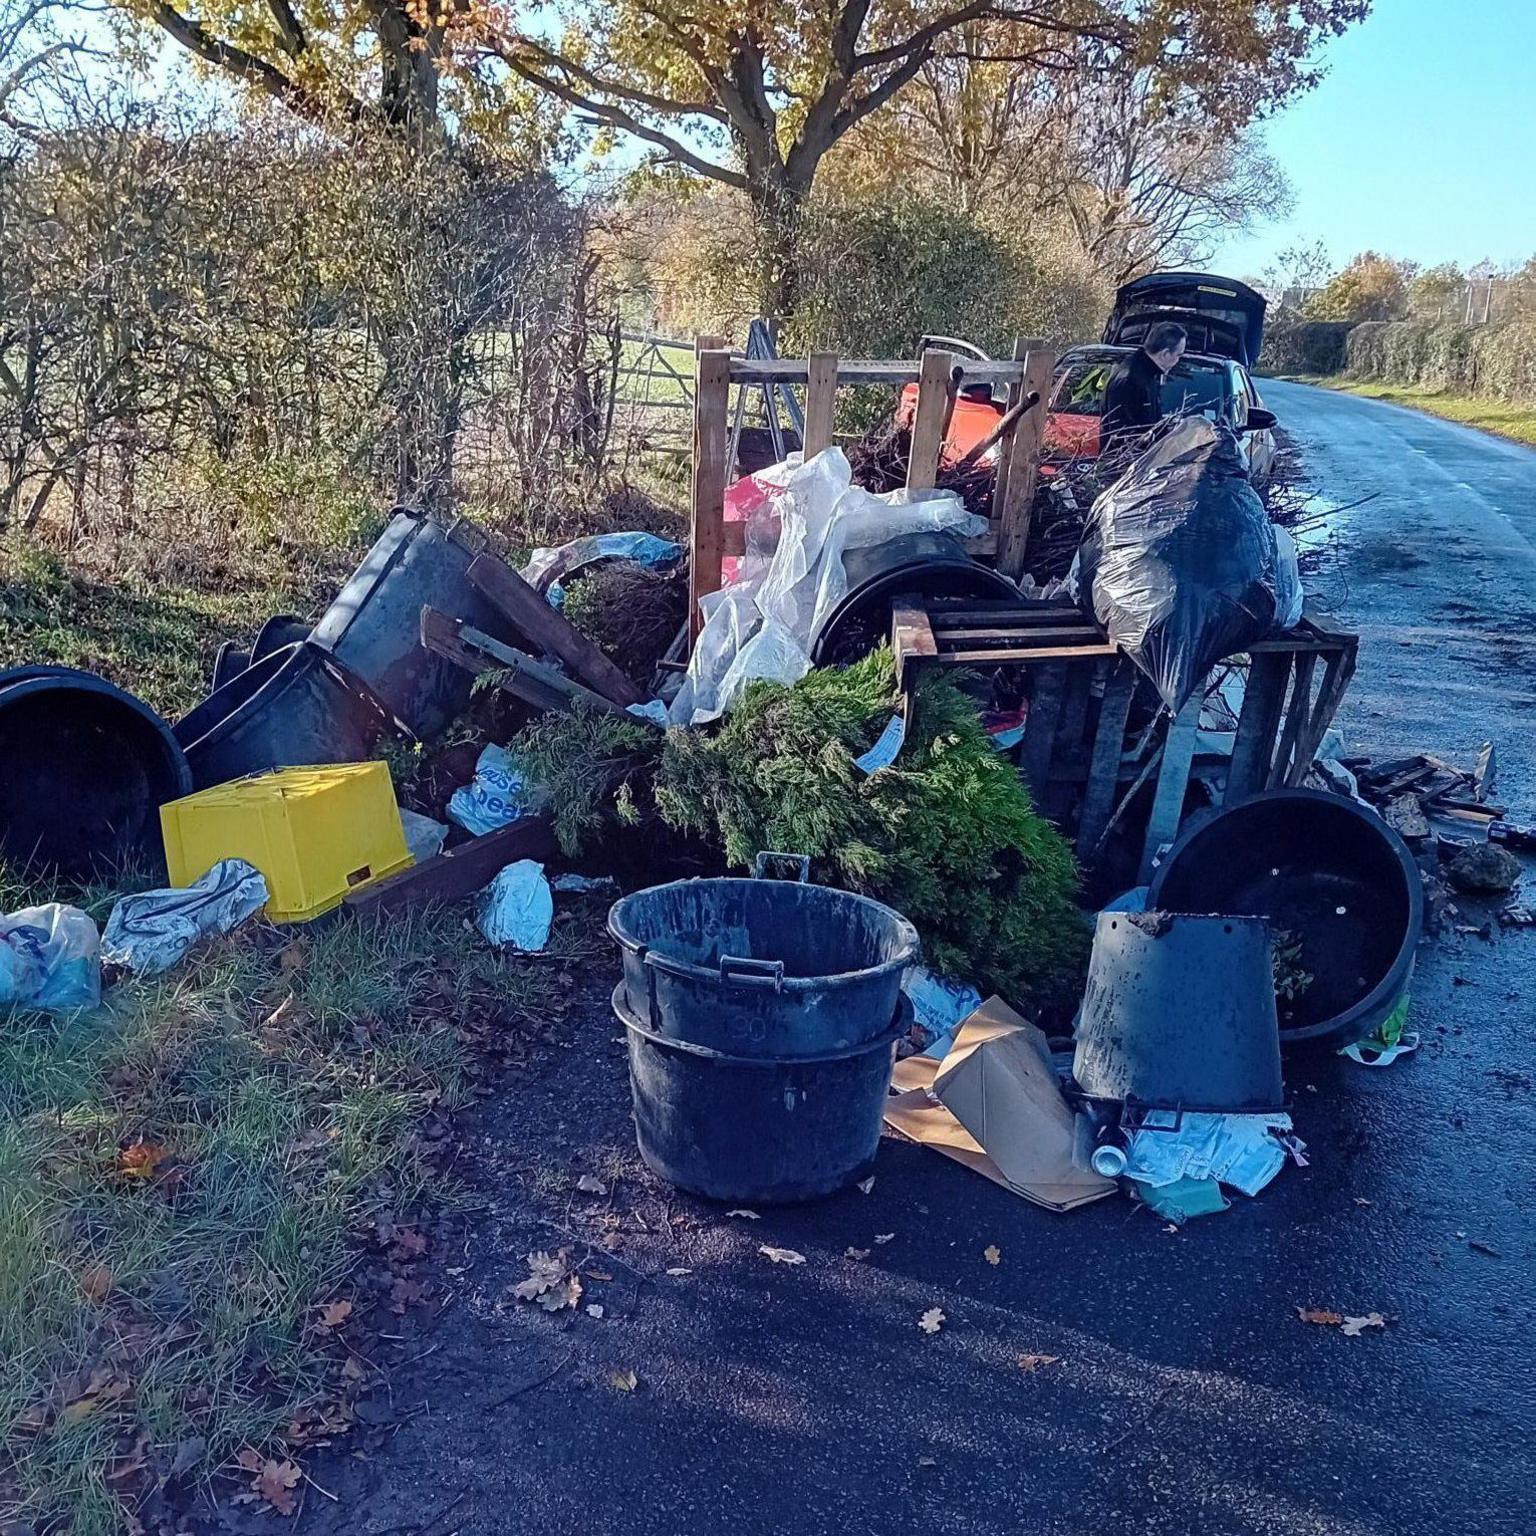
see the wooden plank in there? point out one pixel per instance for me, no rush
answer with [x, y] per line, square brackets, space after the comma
[1172, 786]
[711, 397]
[1021, 346]
[820, 401]
[912, 639]
[1074, 711]
[1040, 728]
[1023, 637]
[865, 370]
[1108, 747]
[1007, 610]
[1338, 672]
[453, 874]
[1027, 656]
[1295, 716]
[1253, 746]
[1022, 452]
[548, 631]
[928, 422]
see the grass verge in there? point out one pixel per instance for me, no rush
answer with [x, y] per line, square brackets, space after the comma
[1499, 417]
[184, 1178]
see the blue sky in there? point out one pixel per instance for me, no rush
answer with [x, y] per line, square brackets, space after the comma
[1421, 141]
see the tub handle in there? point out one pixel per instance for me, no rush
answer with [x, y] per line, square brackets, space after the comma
[801, 862]
[752, 973]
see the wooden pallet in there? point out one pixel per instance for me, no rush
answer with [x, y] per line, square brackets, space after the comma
[1095, 732]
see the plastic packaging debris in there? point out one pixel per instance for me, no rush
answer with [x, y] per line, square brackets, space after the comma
[150, 931]
[1179, 561]
[497, 795]
[50, 958]
[1387, 1043]
[653, 710]
[547, 569]
[940, 1004]
[423, 836]
[887, 746]
[1239, 1150]
[584, 885]
[517, 907]
[762, 626]
[1185, 1199]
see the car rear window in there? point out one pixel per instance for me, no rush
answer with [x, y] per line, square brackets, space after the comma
[1190, 388]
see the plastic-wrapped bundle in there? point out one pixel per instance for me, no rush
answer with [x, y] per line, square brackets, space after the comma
[1180, 563]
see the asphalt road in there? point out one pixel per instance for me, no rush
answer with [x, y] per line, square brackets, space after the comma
[1185, 1395]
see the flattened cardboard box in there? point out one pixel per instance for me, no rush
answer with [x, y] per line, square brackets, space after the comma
[993, 1104]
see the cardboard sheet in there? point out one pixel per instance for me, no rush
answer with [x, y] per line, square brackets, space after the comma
[993, 1104]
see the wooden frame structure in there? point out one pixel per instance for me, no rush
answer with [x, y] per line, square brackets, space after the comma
[938, 375]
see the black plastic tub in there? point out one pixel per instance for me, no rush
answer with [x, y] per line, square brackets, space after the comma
[758, 1130]
[373, 628]
[291, 709]
[926, 565]
[84, 770]
[761, 967]
[1179, 1013]
[1332, 877]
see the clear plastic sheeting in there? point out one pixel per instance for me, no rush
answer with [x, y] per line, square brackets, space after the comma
[761, 627]
[1180, 563]
[50, 959]
[546, 568]
[150, 931]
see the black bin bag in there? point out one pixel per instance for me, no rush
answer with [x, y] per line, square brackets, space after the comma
[1178, 559]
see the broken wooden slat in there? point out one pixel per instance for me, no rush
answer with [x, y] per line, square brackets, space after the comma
[820, 401]
[1338, 669]
[1295, 716]
[912, 640]
[710, 471]
[1108, 747]
[457, 872]
[1172, 785]
[1025, 635]
[1253, 747]
[928, 421]
[1040, 727]
[865, 370]
[1022, 451]
[998, 656]
[549, 631]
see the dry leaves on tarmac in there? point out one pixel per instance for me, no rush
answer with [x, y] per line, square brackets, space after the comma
[623, 1381]
[781, 1255]
[550, 1281]
[931, 1320]
[992, 1254]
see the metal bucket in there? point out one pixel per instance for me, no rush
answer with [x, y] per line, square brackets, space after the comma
[757, 1130]
[1179, 1013]
[84, 769]
[373, 628]
[294, 708]
[766, 968]
[1332, 878]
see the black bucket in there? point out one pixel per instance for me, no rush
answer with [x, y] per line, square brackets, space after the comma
[1179, 1013]
[758, 1130]
[764, 968]
[279, 632]
[294, 708]
[84, 770]
[926, 565]
[1333, 878]
[373, 628]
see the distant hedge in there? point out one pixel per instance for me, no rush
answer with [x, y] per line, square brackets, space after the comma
[1498, 361]
[1304, 346]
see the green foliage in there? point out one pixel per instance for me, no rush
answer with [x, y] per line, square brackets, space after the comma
[1492, 361]
[947, 834]
[1304, 346]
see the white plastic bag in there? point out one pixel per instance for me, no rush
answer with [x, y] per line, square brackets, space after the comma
[50, 958]
[517, 907]
[150, 931]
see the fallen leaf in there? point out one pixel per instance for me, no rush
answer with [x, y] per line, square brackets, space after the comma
[140, 1160]
[1359, 1200]
[354, 1370]
[334, 1313]
[594, 1310]
[96, 1283]
[550, 1281]
[409, 1243]
[927, 1461]
[558, 1297]
[992, 1254]
[781, 1255]
[856, 1253]
[1355, 1326]
[931, 1320]
[275, 1483]
[1318, 1315]
[250, 1458]
[679, 1270]
[1037, 1362]
[589, 1184]
[745, 1215]
[881, 1238]
[624, 1381]
[865, 1185]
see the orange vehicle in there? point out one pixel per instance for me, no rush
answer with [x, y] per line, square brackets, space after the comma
[976, 413]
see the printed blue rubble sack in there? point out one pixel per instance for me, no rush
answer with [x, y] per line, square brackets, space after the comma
[50, 958]
[150, 931]
[497, 795]
[517, 907]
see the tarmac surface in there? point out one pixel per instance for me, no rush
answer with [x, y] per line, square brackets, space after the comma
[1183, 1393]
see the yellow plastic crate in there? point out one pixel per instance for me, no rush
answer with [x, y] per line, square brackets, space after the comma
[315, 833]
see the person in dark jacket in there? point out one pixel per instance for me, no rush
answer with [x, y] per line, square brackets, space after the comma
[1133, 395]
